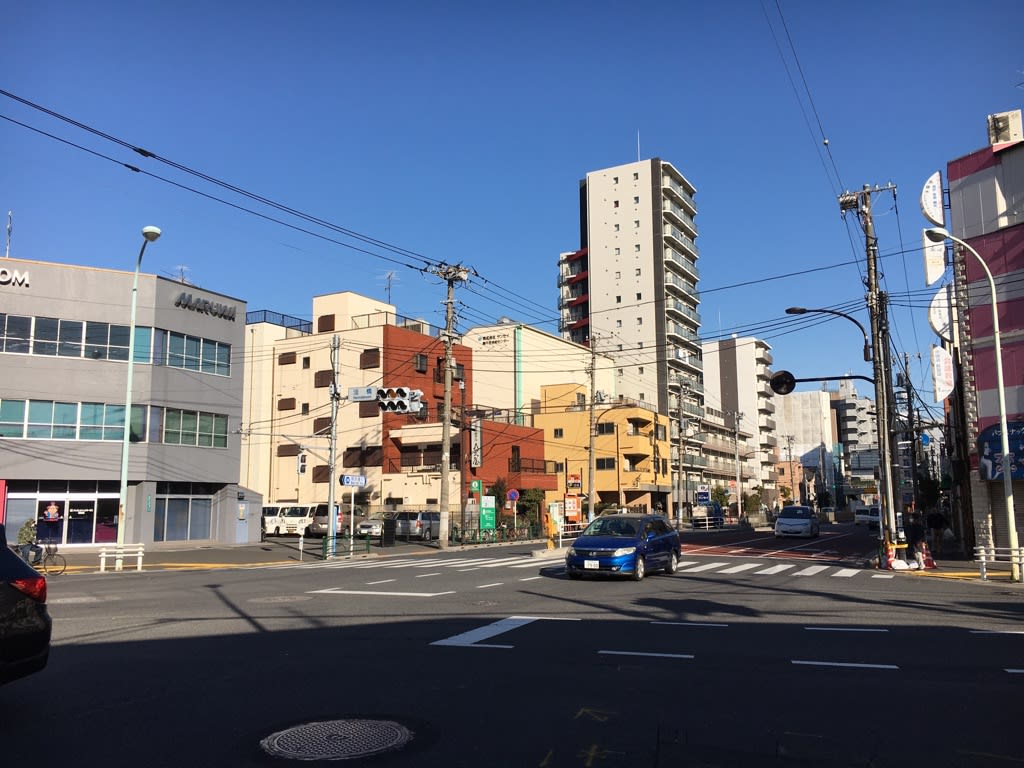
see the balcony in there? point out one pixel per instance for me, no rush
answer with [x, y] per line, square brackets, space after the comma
[671, 185]
[680, 239]
[676, 283]
[678, 261]
[680, 215]
[684, 309]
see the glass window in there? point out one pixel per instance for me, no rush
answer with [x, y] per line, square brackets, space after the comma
[70, 338]
[113, 422]
[159, 346]
[176, 350]
[189, 424]
[220, 431]
[209, 361]
[156, 424]
[118, 348]
[205, 436]
[199, 519]
[45, 339]
[138, 431]
[40, 419]
[17, 334]
[177, 520]
[172, 426]
[65, 421]
[223, 359]
[143, 344]
[159, 519]
[192, 353]
[91, 421]
[97, 336]
[12, 418]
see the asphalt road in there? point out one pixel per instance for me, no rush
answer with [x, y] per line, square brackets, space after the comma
[497, 659]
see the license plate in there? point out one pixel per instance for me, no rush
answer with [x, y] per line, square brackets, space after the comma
[591, 565]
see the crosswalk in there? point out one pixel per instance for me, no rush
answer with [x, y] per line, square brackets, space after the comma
[422, 566]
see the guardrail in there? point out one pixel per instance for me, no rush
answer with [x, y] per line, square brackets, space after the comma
[1008, 556]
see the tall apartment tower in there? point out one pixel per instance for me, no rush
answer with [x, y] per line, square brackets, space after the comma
[741, 370]
[630, 290]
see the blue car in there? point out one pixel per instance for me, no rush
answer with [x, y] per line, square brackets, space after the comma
[624, 545]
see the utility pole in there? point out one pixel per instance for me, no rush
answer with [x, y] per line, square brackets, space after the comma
[450, 274]
[792, 482]
[463, 458]
[736, 415]
[877, 302]
[681, 451]
[332, 453]
[911, 430]
[592, 372]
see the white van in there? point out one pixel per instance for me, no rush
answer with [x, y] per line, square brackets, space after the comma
[271, 520]
[293, 519]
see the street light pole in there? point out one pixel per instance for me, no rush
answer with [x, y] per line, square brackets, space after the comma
[855, 321]
[149, 235]
[938, 234]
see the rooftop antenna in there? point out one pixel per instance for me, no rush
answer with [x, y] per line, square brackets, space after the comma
[182, 269]
[7, 250]
[389, 277]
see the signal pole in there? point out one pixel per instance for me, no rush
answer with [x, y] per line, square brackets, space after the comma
[332, 452]
[592, 470]
[877, 302]
[450, 274]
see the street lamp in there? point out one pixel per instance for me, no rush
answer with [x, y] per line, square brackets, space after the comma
[149, 235]
[804, 311]
[937, 235]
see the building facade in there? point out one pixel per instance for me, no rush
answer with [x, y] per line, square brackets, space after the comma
[986, 204]
[630, 292]
[64, 340]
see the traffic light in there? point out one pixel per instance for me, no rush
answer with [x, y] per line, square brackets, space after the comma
[782, 383]
[300, 465]
[399, 399]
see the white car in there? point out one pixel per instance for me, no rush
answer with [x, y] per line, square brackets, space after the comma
[371, 526]
[861, 515]
[797, 521]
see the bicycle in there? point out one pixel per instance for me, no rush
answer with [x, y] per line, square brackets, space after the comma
[51, 561]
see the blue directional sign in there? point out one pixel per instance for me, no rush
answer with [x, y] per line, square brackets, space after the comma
[703, 494]
[357, 481]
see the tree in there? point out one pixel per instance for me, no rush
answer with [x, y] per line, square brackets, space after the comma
[721, 495]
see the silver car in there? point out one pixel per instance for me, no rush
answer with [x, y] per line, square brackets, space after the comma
[797, 521]
[321, 525]
[372, 526]
[418, 525]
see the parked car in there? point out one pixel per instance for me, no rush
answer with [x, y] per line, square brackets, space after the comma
[321, 525]
[418, 525]
[797, 521]
[25, 624]
[624, 545]
[861, 515]
[874, 517]
[371, 526]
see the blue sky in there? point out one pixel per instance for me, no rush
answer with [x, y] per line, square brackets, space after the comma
[459, 132]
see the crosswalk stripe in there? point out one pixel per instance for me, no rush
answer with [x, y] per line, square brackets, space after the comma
[705, 567]
[811, 570]
[774, 569]
[846, 573]
[740, 568]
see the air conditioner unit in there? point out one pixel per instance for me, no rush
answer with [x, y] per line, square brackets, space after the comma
[1004, 127]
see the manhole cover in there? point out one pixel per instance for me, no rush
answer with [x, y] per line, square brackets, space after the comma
[337, 739]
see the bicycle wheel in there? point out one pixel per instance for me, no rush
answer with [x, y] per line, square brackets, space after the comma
[55, 564]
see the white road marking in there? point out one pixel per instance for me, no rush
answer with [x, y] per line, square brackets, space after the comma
[424, 575]
[773, 570]
[740, 568]
[382, 581]
[531, 578]
[705, 567]
[377, 593]
[643, 653]
[843, 664]
[471, 638]
[687, 624]
[811, 570]
[846, 573]
[846, 629]
[883, 576]
[997, 632]
[487, 586]
[541, 562]
[1015, 671]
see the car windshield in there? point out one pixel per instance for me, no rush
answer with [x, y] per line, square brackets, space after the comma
[796, 513]
[295, 512]
[611, 526]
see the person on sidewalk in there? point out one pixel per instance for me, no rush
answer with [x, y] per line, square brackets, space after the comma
[915, 537]
[937, 525]
[27, 542]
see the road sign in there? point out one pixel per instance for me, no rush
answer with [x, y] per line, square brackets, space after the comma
[703, 494]
[512, 494]
[362, 394]
[476, 486]
[357, 481]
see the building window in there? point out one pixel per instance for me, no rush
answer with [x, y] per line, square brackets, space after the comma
[369, 358]
[606, 428]
[615, 203]
[559, 467]
[618, 323]
[636, 248]
[618, 251]
[640, 370]
[616, 227]
[618, 299]
[305, 363]
[636, 200]
[286, 358]
[615, 179]
[605, 464]
[559, 433]
[642, 398]
[636, 176]
[638, 297]
[637, 273]
[305, 409]
[419, 362]
[286, 404]
[620, 347]
[639, 321]
[636, 223]
[618, 275]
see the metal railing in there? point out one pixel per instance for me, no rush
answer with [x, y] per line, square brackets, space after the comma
[1007, 556]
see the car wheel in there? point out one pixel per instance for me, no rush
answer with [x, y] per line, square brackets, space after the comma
[639, 571]
[673, 563]
[574, 574]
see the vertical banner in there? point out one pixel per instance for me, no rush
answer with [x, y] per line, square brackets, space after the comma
[476, 443]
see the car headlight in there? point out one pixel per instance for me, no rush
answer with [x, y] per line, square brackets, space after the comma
[572, 552]
[623, 551]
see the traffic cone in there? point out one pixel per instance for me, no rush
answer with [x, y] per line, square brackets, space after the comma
[927, 555]
[890, 555]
